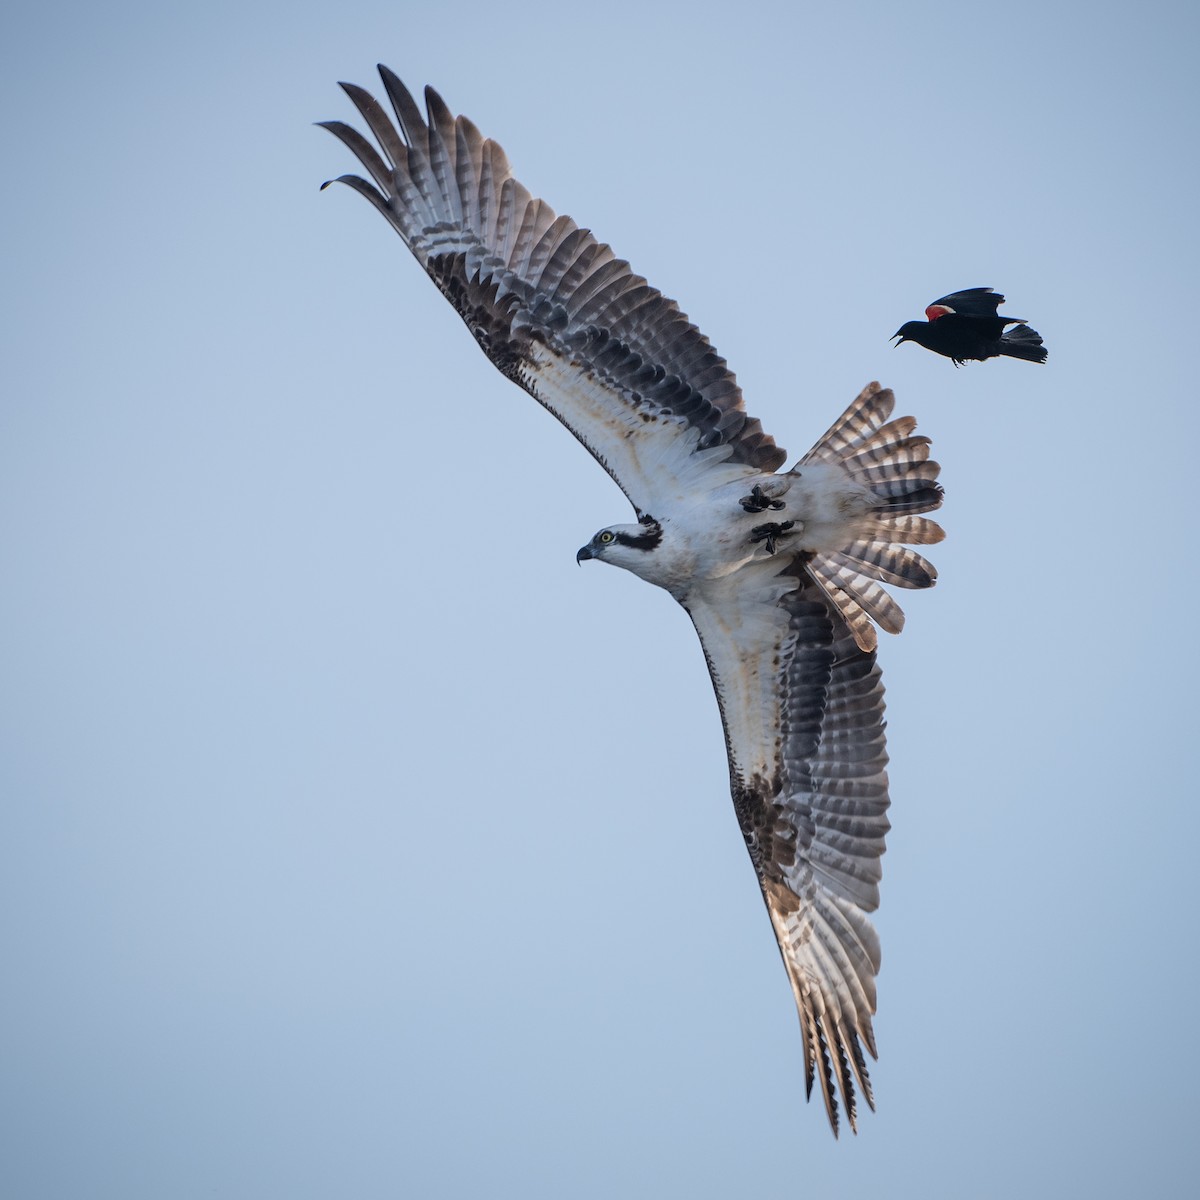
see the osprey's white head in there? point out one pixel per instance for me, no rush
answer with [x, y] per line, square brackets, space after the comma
[624, 545]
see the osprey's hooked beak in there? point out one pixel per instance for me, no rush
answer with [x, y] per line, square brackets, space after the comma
[584, 554]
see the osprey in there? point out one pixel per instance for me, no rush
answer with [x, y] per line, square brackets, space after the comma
[779, 570]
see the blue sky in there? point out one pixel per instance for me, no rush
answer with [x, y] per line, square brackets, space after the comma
[352, 840]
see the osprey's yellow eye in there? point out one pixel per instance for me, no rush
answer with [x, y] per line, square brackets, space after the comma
[606, 537]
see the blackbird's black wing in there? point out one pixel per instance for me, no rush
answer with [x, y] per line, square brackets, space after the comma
[979, 302]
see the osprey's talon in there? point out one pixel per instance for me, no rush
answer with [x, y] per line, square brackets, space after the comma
[758, 501]
[769, 532]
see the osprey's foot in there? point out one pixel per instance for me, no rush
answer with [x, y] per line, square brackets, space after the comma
[770, 532]
[758, 501]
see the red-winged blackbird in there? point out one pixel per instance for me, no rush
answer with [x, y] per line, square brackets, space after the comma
[965, 325]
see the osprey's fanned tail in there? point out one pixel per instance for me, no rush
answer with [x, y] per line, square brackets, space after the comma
[887, 458]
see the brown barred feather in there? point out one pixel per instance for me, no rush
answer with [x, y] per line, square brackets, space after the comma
[887, 458]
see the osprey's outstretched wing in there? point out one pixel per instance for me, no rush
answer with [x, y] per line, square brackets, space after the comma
[803, 713]
[553, 308]
[802, 704]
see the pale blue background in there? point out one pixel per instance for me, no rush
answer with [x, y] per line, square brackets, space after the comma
[357, 844]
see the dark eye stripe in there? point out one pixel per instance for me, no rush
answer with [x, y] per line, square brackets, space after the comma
[642, 541]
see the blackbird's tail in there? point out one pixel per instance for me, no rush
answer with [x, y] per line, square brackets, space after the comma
[1023, 342]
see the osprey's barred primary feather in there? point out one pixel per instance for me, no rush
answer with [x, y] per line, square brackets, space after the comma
[780, 573]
